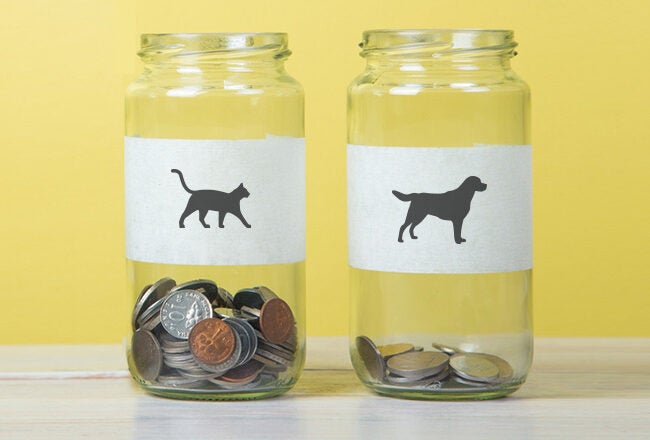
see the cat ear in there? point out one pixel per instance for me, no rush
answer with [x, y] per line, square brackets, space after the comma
[241, 185]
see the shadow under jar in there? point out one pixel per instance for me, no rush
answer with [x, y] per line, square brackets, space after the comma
[439, 215]
[215, 217]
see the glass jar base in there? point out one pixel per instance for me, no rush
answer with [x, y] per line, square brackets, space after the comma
[451, 394]
[195, 394]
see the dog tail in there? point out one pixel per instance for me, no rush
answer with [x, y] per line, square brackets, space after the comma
[403, 197]
[182, 180]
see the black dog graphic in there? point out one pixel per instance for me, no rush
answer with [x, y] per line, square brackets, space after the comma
[210, 200]
[453, 206]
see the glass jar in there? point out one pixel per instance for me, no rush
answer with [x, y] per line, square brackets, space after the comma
[215, 217]
[439, 215]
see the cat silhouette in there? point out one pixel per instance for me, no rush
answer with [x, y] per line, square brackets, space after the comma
[211, 200]
[452, 205]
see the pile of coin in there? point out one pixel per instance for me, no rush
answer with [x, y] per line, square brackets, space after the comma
[405, 365]
[197, 335]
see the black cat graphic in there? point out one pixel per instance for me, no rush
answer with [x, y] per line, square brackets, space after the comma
[453, 206]
[211, 200]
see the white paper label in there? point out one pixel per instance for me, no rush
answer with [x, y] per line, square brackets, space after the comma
[470, 209]
[256, 187]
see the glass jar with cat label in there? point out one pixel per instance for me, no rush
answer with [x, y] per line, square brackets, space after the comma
[215, 217]
[439, 215]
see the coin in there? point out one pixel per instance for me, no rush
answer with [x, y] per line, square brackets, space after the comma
[224, 298]
[390, 350]
[182, 310]
[206, 287]
[505, 369]
[276, 321]
[474, 367]
[248, 297]
[393, 379]
[417, 364]
[371, 357]
[244, 373]
[148, 296]
[147, 355]
[448, 349]
[212, 341]
[248, 338]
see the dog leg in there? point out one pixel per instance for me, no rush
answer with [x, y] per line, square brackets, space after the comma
[401, 231]
[202, 215]
[458, 226]
[222, 216]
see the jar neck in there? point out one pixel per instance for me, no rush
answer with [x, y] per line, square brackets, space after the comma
[438, 50]
[190, 54]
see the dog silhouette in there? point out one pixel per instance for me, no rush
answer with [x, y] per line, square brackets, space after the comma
[453, 206]
[211, 200]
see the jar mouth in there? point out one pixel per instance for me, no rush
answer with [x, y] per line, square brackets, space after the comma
[398, 42]
[211, 45]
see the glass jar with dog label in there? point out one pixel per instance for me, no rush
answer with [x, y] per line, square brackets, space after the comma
[439, 215]
[215, 217]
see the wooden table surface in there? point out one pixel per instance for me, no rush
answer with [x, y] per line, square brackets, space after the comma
[578, 388]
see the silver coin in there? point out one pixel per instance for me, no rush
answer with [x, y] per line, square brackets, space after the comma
[275, 358]
[171, 380]
[455, 380]
[447, 349]
[206, 287]
[505, 369]
[248, 297]
[148, 296]
[151, 311]
[399, 380]
[474, 367]
[371, 358]
[270, 365]
[278, 351]
[224, 298]
[247, 336]
[181, 311]
[418, 365]
[152, 323]
[147, 355]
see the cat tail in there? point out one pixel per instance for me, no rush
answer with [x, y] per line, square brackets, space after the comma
[403, 197]
[182, 180]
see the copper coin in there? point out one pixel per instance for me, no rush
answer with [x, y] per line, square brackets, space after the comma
[212, 341]
[276, 321]
[244, 373]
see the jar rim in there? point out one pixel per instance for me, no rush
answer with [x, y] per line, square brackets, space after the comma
[440, 41]
[232, 44]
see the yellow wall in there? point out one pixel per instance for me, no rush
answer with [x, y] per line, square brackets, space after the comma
[64, 65]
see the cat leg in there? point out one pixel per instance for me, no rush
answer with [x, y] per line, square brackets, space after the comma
[239, 215]
[188, 211]
[222, 216]
[202, 215]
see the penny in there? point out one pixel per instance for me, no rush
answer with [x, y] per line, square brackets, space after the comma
[147, 355]
[417, 364]
[276, 321]
[148, 296]
[371, 357]
[206, 287]
[182, 310]
[391, 350]
[212, 341]
[474, 367]
[244, 373]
